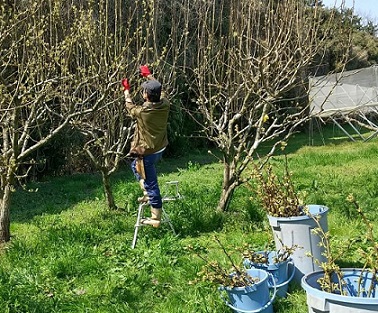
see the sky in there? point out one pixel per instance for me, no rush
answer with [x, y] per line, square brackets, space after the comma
[363, 8]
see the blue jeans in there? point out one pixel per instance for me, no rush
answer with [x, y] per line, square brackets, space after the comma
[151, 182]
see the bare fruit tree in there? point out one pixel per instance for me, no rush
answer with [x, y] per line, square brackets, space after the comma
[46, 82]
[250, 75]
[107, 130]
[133, 41]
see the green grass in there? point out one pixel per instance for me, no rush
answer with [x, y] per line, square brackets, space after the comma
[68, 253]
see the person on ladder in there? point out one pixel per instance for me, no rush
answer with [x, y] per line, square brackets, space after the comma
[149, 141]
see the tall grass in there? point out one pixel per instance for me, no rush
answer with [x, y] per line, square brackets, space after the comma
[69, 253]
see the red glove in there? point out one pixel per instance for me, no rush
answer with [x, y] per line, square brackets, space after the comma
[125, 84]
[144, 70]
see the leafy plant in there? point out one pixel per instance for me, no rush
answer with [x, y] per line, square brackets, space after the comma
[369, 254]
[217, 274]
[277, 195]
[262, 257]
[332, 280]
[330, 268]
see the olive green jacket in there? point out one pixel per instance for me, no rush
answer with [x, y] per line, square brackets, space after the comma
[150, 133]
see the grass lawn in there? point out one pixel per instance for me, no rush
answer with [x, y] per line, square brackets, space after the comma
[69, 253]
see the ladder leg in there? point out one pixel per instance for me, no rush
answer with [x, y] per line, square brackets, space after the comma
[164, 216]
[166, 219]
[138, 224]
[135, 237]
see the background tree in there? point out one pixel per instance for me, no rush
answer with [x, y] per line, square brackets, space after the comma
[128, 45]
[250, 74]
[105, 50]
[46, 82]
[245, 63]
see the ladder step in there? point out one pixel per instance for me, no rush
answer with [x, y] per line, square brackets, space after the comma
[164, 216]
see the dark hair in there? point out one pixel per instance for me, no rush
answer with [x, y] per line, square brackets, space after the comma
[153, 98]
[153, 90]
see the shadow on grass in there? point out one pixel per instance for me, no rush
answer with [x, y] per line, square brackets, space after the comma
[57, 194]
[61, 193]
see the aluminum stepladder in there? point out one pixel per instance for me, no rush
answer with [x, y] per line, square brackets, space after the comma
[164, 216]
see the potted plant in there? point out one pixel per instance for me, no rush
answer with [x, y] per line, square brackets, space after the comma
[347, 290]
[276, 262]
[247, 290]
[290, 220]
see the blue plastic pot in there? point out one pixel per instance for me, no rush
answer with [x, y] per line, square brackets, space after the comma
[251, 299]
[282, 272]
[319, 301]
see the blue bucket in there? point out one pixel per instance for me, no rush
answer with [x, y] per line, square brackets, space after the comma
[321, 301]
[282, 272]
[251, 299]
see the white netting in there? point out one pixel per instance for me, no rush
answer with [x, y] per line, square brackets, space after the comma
[352, 91]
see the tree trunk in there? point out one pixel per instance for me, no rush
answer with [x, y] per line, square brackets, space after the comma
[5, 214]
[228, 188]
[225, 198]
[108, 190]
